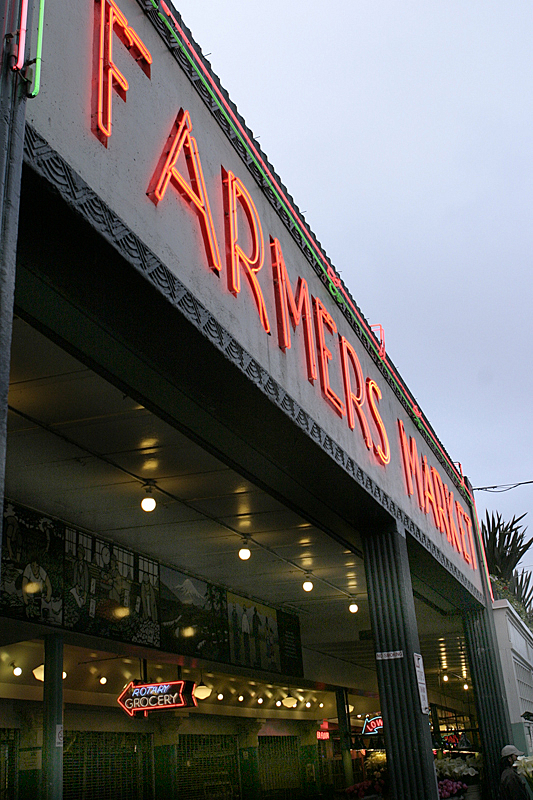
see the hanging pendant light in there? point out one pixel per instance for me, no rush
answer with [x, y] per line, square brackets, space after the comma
[148, 503]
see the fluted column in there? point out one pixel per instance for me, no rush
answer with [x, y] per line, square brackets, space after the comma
[392, 613]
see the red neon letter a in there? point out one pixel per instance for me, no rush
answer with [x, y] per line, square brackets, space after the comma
[193, 192]
[109, 77]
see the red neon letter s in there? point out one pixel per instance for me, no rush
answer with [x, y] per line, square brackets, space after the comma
[236, 194]
[109, 77]
[373, 393]
[179, 140]
[286, 306]
[322, 317]
[349, 358]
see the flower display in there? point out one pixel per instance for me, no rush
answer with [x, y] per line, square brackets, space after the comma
[524, 767]
[458, 768]
[376, 775]
[449, 788]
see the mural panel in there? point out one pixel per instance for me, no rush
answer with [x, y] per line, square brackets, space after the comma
[193, 616]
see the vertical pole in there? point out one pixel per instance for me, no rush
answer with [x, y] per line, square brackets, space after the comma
[345, 735]
[492, 712]
[12, 111]
[392, 612]
[53, 717]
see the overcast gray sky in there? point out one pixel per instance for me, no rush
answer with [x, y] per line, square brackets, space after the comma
[404, 130]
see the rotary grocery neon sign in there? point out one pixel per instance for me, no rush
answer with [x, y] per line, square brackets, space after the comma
[147, 697]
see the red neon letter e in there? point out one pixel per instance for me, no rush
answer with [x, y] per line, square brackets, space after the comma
[236, 194]
[109, 77]
[180, 139]
[324, 318]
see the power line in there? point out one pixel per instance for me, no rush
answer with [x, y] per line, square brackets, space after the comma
[502, 487]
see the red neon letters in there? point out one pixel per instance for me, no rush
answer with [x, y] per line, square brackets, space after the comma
[109, 77]
[324, 319]
[298, 309]
[382, 450]
[180, 165]
[435, 498]
[180, 140]
[237, 196]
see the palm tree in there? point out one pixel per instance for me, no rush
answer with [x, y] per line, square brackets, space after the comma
[504, 544]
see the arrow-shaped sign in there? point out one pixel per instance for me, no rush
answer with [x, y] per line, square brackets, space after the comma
[148, 697]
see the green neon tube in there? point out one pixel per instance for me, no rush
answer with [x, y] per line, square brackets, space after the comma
[39, 56]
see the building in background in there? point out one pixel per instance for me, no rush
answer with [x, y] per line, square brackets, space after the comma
[515, 643]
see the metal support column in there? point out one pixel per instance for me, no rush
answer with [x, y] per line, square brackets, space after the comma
[491, 707]
[345, 735]
[12, 111]
[392, 612]
[53, 717]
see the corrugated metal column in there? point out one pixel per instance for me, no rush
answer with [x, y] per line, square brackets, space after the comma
[491, 707]
[12, 108]
[345, 735]
[392, 611]
[53, 717]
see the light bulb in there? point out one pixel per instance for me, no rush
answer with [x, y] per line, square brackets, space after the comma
[260, 700]
[103, 680]
[220, 696]
[148, 502]
[240, 698]
[465, 687]
[321, 705]
[64, 675]
[308, 704]
[245, 552]
[445, 678]
[17, 671]
[353, 608]
[307, 585]
[278, 703]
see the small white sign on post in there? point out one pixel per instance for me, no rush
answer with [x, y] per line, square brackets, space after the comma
[59, 736]
[421, 680]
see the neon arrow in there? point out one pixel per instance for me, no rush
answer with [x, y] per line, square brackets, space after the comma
[146, 697]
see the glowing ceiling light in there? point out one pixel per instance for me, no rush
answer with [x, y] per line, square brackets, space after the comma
[260, 700]
[307, 585]
[148, 503]
[465, 687]
[278, 703]
[103, 680]
[353, 608]
[445, 678]
[240, 698]
[201, 691]
[289, 701]
[220, 696]
[245, 552]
